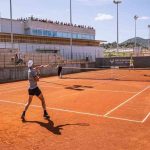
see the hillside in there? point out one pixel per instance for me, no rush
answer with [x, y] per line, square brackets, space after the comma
[140, 42]
[128, 43]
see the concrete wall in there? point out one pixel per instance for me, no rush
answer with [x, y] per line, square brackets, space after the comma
[20, 73]
[78, 51]
[17, 26]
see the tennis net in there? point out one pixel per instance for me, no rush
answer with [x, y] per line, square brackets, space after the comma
[111, 73]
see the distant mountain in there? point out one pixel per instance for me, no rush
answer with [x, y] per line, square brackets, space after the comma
[140, 42]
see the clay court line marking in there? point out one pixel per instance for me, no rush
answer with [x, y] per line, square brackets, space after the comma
[14, 88]
[76, 112]
[124, 119]
[64, 95]
[23, 84]
[146, 117]
[88, 89]
[111, 91]
[43, 84]
[126, 101]
[58, 109]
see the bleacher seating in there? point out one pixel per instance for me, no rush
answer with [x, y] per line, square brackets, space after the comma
[7, 59]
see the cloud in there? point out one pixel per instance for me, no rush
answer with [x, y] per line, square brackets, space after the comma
[103, 17]
[144, 18]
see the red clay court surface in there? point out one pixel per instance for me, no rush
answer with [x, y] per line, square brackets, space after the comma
[85, 114]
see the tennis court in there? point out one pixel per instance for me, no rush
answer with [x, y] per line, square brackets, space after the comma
[104, 109]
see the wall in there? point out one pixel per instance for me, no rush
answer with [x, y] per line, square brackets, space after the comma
[78, 51]
[17, 26]
[20, 73]
[139, 62]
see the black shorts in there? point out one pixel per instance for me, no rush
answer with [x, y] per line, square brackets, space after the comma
[35, 91]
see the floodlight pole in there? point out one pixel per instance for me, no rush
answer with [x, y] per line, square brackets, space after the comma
[117, 2]
[11, 24]
[149, 38]
[71, 29]
[0, 23]
[135, 18]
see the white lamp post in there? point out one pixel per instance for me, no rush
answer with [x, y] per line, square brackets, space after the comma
[149, 38]
[71, 28]
[135, 18]
[0, 23]
[11, 24]
[117, 2]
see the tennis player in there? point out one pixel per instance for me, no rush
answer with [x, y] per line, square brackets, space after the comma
[131, 65]
[33, 89]
[59, 67]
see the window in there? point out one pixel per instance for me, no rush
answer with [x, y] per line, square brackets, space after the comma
[92, 37]
[79, 36]
[49, 33]
[54, 34]
[45, 32]
[69, 35]
[74, 36]
[59, 34]
[39, 32]
[65, 35]
[34, 32]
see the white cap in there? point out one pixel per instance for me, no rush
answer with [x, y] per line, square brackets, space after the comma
[30, 63]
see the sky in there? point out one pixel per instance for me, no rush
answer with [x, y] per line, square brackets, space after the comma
[100, 14]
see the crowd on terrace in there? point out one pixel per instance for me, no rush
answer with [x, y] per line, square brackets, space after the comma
[54, 22]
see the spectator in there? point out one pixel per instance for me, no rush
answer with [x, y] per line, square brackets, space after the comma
[18, 59]
[56, 22]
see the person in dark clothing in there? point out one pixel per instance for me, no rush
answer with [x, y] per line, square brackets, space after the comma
[59, 68]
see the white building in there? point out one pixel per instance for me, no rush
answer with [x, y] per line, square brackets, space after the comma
[30, 35]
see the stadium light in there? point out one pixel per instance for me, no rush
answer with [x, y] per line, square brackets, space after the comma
[11, 24]
[71, 28]
[0, 23]
[135, 18]
[117, 2]
[149, 38]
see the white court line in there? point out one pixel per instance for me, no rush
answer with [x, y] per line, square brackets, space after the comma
[9, 88]
[18, 88]
[146, 117]
[88, 89]
[124, 119]
[64, 95]
[127, 100]
[111, 91]
[83, 74]
[76, 112]
[51, 79]
[21, 84]
[58, 109]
